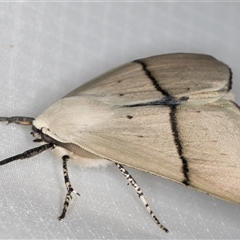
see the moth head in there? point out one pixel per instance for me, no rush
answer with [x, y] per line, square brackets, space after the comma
[41, 131]
[42, 134]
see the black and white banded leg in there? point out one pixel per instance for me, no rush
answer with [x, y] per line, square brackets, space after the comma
[140, 194]
[69, 188]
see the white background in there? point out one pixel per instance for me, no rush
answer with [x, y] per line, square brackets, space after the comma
[48, 49]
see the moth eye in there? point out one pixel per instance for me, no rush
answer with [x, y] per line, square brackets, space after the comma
[35, 130]
[46, 138]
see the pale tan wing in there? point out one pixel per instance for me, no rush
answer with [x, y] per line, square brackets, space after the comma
[210, 137]
[144, 138]
[150, 79]
[138, 137]
[195, 144]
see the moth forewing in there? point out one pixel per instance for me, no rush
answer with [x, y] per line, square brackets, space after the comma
[213, 160]
[135, 126]
[167, 115]
[194, 75]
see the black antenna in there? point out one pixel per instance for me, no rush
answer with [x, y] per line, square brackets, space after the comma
[29, 153]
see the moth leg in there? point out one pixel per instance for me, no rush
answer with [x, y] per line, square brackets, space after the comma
[139, 192]
[69, 188]
[18, 120]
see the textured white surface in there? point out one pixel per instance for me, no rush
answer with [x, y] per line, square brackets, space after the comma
[48, 49]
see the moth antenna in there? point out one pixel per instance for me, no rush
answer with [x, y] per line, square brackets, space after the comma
[18, 120]
[139, 192]
[28, 154]
[69, 188]
[38, 140]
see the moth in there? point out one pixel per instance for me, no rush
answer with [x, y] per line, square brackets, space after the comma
[170, 115]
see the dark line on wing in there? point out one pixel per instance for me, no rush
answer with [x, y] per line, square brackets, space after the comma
[154, 81]
[167, 101]
[235, 104]
[172, 103]
[178, 144]
[230, 80]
